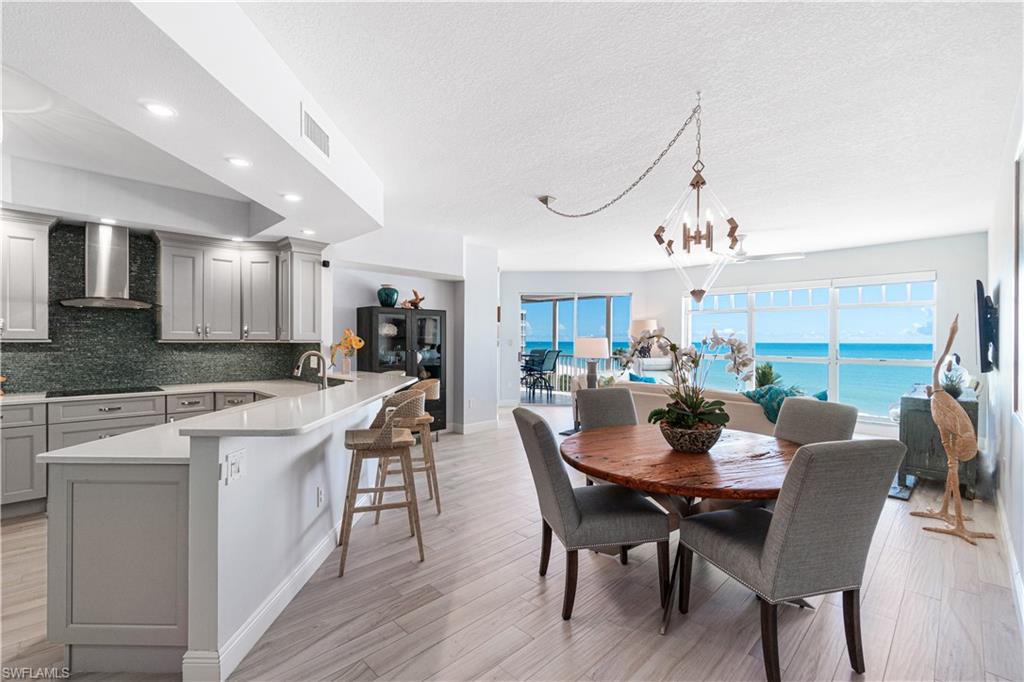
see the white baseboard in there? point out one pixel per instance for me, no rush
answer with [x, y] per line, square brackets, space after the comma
[1016, 578]
[476, 427]
[215, 666]
[200, 666]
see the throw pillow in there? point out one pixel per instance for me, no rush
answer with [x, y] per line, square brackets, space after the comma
[642, 380]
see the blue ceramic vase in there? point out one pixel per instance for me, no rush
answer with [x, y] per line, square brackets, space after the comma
[387, 295]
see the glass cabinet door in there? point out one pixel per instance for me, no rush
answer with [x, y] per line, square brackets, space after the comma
[429, 343]
[392, 349]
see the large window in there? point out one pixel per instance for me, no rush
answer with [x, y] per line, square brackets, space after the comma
[865, 341]
[553, 321]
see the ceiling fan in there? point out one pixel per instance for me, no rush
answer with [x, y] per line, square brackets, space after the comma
[741, 255]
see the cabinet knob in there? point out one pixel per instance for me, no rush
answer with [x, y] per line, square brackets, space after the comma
[245, 331]
[105, 435]
[199, 330]
[207, 330]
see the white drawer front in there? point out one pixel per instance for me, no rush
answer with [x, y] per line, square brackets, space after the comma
[76, 433]
[233, 399]
[106, 408]
[33, 414]
[192, 402]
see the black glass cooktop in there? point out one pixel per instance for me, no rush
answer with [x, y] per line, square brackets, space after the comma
[102, 391]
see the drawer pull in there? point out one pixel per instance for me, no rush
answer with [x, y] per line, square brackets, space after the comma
[106, 435]
[187, 403]
[114, 408]
[235, 401]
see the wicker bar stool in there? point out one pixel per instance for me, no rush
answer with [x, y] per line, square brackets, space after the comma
[431, 390]
[384, 440]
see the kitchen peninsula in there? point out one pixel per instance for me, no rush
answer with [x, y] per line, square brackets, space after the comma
[173, 548]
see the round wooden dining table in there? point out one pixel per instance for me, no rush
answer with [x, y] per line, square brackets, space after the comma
[741, 466]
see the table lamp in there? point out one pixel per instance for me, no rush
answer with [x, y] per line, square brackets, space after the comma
[638, 326]
[592, 348]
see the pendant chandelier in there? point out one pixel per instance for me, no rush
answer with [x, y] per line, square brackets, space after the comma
[687, 234]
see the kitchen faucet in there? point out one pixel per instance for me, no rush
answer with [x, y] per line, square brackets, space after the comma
[323, 366]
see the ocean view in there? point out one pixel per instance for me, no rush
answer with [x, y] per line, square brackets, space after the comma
[872, 388]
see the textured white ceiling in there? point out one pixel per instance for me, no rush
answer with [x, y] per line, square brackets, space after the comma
[42, 125]
[826, 125]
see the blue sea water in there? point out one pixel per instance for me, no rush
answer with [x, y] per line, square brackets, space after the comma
[872, 388]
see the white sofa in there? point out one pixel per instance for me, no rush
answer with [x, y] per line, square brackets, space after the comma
[744, 413]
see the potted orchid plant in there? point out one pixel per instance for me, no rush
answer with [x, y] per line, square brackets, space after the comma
[690, 422]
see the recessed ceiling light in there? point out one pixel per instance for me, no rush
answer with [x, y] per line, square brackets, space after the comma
[158, 109]
[236, 239]
[291, 197]
[238, 161]
[108, 221]
[309, 232]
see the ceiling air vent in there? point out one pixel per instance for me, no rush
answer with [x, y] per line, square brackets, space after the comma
[312, 131]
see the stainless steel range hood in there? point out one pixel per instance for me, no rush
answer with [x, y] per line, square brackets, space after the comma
[106, 270]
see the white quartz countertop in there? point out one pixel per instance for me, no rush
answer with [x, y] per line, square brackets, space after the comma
[297, 408]
[274, 387]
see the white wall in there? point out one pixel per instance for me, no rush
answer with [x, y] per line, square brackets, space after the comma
[958, 261]
[476, 349]
[354, 289]
[1006, 441]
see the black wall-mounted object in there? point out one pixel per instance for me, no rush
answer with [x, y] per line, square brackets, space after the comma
[988, 330]
[409, 340]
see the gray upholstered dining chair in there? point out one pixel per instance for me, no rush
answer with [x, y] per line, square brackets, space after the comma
[585, 517]
[605, 407]
[805, 420]
[815, 542]
[599, 407]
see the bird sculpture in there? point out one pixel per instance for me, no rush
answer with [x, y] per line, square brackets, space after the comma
[414, 302]
[961, 445]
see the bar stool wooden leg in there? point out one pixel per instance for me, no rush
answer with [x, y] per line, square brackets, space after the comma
[428, 458]
[383, 464]
[410, 496]
[355, 468]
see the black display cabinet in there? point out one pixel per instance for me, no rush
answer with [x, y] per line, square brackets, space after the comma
[408, 340]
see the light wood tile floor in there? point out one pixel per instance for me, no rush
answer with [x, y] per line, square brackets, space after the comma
[934, 608]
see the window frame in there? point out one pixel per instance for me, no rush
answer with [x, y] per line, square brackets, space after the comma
[833, 359]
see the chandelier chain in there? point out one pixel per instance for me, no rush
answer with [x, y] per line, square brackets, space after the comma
[694, 114]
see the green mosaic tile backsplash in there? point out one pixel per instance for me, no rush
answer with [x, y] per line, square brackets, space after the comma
[95, 348]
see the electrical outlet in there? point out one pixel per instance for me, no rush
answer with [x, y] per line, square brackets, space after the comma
[319, 497]
[234, 466]
[314, 362]
[469, 403]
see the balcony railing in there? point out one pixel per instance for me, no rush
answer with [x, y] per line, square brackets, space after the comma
[568, 366]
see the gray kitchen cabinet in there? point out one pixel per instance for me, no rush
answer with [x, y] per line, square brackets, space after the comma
[259, 295]
[106, 408]
[189, 402]
[222, 295]
[299, 281]
[74, 433]
[177, 417]
[181, 293]
[23, 477]
[23, 414]
[213, 290]
[233, 399]
[284, 304]
[24, 276]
